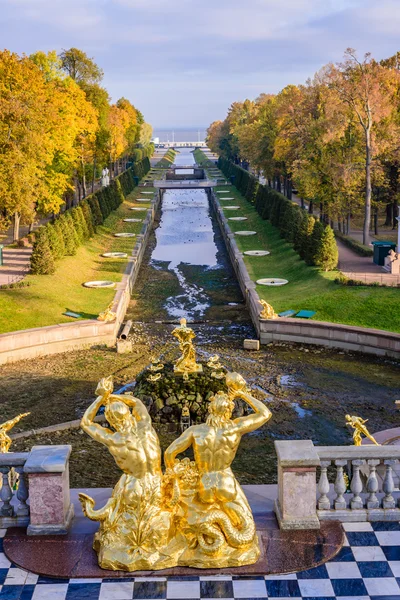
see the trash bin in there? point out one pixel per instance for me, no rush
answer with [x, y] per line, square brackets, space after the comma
[1, 255]
[381, 250]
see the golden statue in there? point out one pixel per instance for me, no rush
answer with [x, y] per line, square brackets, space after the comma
[358, 424]
[267, 311]
[134, 526]
[214, 514]
[196, 514]
[5, 440]
[107, 316]
[187, 362]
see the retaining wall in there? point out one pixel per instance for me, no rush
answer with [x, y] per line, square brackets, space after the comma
[30, 343]
[333, 335]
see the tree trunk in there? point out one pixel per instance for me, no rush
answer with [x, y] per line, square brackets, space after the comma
[368, 188]
[16, 222]
[395, 213]
[321, 211]
[311, 207]
[389, 214]
[94, 173]
[376, 230]
[348, 223]
[83, 178]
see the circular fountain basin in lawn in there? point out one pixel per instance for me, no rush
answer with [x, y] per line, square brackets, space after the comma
[143, 200]
[231, 207]
[138, 208]
[256, 252]
[147, 192]
[237, 218]
[275, 281]
[243, 233]
[99, 284]
[124, 235]
[115, 255]
[133, 220]
[222, 191]
[227, 198]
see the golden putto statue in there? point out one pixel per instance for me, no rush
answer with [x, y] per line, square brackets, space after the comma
[195, 514]
[358, 424]
[187, 362]
[5, 440]
[267, 311]
[108, 316]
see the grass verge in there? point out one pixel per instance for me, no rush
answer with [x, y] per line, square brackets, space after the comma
[49, 296]
[308, 288]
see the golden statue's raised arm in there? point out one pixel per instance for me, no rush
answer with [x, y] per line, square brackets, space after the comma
[261, 414]
[5, 440]
[182, 443]
[97, 432]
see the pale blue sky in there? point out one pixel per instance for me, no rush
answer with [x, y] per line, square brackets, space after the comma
[184, 62]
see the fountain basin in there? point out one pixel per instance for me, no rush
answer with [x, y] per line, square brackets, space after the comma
[99, 284]
[115, 255]
[256, 252]
[244, 233]
[124, 235]
[273, 281]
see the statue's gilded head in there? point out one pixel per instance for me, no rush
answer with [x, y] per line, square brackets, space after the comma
[119, 416]
[220, 409]
[182, 322]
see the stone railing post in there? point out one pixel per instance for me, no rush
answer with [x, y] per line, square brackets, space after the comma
[297, 484]
[51, 510]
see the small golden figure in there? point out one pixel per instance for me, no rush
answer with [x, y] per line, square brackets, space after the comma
[107, 316]
[267, 311]
[5, 440]
[185, 417]
[187, 362]
[156, 365]
[358, 424]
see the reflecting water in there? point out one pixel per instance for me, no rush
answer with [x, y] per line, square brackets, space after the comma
[184, 157]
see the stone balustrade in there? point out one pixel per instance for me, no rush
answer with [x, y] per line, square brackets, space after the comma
[363, 488]
[341, 483]
[42, 475]
[14, 510]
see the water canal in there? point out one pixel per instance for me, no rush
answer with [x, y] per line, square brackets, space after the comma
[186, 271]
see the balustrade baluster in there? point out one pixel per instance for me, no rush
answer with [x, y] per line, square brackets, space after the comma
[323, 486]
[22, 493]
[372, 484]
[6, 509]
[340, 485]
[388, 484]
[356, 484]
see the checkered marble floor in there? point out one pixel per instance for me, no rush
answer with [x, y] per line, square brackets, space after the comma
[368, 566]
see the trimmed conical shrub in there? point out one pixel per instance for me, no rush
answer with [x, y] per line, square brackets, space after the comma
[88, 218]
[59, 229]
[327, 256]
[56, 243]
[42, 261]
[315, 243]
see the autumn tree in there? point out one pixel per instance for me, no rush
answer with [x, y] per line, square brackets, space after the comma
[80, 67]
[366, 89]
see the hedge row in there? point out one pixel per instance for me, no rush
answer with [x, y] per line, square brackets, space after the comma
[139, 154]
[358, 247]
[78, 224]
[314, 241]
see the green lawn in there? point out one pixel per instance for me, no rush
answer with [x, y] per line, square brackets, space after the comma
[308, 288]
[49, 296]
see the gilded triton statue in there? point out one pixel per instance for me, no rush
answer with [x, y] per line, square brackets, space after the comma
[215, 516]
[187, 362]
[5, 440]
[134, 527]
[358, 424]
[196, 514]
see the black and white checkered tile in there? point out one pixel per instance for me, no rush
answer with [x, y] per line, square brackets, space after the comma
[368, 566]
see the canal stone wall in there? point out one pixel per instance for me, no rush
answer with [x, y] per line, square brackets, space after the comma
[42, 341]
[333, 335]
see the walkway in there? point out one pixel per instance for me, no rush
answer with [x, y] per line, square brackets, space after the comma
[16, 265]
[354, 266]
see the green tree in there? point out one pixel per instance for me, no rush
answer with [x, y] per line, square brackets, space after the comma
[327, 255]
[42, 262]
[80, 67]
